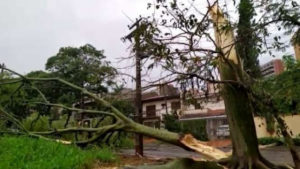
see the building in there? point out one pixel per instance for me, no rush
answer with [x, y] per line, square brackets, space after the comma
[156, 103]
[211, 108]
[214, 120]
[274, 67]
[208, 106]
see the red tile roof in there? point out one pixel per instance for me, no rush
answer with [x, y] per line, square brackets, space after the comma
[159, 98]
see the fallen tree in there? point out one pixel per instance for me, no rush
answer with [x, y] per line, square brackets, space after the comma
[122, 122]
[235, 93]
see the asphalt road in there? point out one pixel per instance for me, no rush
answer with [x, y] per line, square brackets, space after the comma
[277, 155]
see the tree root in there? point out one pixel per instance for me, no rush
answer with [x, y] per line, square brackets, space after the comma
[260, 163]
[184, 163]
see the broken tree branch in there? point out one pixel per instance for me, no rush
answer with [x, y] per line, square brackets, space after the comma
[123, 123]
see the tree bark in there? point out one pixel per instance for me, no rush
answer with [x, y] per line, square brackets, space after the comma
[186, 141]
[289, 141]
[237, 102]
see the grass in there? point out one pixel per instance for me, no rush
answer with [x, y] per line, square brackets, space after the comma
[125, 142]
[28, 153]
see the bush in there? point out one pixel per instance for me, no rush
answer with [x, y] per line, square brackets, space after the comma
[195, 127]
[269, 140]
[27, 153]
[171, 123]
[2, 124]
[296, 141]
[125, 142]
[277, 140]
[42, 124]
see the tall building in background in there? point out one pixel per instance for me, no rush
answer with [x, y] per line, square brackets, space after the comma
[274, 67]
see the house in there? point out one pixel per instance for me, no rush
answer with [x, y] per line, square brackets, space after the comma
[165, 99]
[214, 119]
[209, 107]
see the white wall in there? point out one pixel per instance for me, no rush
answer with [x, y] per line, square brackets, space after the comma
[159, 109]
[185, 109]
[190, 109]
[293, 123]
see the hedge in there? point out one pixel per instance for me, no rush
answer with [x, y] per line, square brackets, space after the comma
[195, 127]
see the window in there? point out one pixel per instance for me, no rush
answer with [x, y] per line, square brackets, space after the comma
[150, 111]
[175, 106]
[197, 106]
[224, 121]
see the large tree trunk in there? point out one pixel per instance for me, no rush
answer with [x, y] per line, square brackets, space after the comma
[240, 118]
[288, 140]
[237, 102]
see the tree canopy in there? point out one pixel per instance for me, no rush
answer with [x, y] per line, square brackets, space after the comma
[84, 66]
[284, 89]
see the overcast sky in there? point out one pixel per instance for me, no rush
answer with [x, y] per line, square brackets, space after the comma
[34, 30]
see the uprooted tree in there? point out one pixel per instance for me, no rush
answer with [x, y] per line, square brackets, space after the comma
[219, 64]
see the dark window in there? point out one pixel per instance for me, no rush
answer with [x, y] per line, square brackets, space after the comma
[197, 106]
[175, 106]
[224, 121]
[150, 111]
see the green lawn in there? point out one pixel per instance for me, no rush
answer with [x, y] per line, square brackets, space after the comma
[28, 153]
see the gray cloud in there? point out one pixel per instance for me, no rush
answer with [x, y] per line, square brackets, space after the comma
[34, 30]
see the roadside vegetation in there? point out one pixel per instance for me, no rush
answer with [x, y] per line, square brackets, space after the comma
[277, 140]
[28, 153]
[195, 127]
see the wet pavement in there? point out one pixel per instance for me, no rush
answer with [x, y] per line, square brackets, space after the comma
[277, 155]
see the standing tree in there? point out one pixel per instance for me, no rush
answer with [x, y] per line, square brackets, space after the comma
[84, 66]
[279, 96]
[247, 38]
[183, 42]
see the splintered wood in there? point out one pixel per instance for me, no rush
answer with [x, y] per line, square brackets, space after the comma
[224, 37]
[202, 148]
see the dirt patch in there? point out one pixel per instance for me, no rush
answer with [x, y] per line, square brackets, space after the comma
[149, 140]
[127, 160]
[219, 143]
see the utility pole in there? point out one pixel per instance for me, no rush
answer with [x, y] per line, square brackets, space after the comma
[138, 117]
